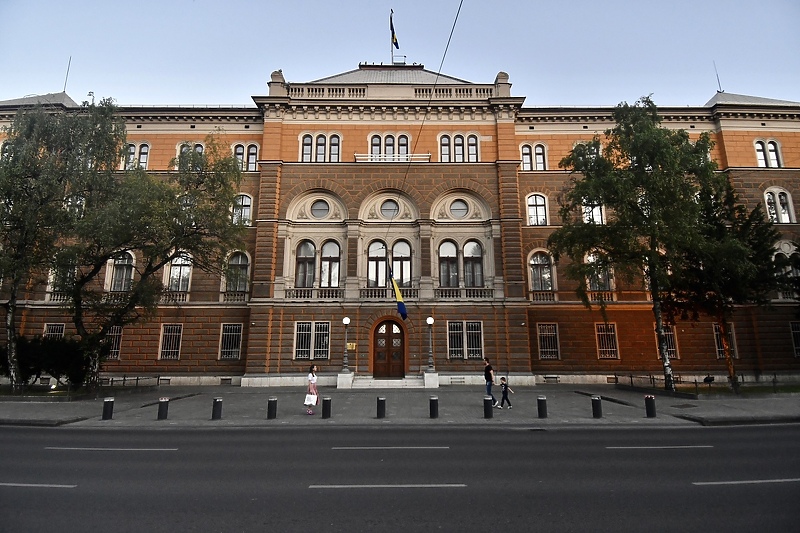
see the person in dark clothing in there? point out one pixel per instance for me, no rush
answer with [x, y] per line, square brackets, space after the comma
[505, 388]
[488, 374]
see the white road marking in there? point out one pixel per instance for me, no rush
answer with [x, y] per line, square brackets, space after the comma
[111, 449]
[688, 447]
[38, 485]
[404, 486]
[747, 482]
[390, 448]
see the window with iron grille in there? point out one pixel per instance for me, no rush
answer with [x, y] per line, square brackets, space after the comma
[230, 343]
[672, 343]
[464, 340]
[54, 331]
[114, 340]
[606, 341]
[312, 340]
[171, 341]
[731, 341]
[548, 341]
[796, 338]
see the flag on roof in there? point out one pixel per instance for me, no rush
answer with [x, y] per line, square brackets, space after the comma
[391, 27]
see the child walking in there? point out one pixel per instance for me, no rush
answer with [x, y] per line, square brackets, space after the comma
[505, 388]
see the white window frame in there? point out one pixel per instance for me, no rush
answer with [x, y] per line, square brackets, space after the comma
[114, 339]
[776, 214]
[171, 336]
[242, 214]
[548, 341]
[605, 334]
[731, 341]
[465, 339]
[53, 331]
[672, 341]
[313, 342]
[230, 341]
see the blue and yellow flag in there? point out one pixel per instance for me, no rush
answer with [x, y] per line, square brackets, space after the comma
[401, 305]
[394, 36]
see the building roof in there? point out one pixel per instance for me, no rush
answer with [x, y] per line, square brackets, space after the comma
[730, 98]
[390, 74]
[61, 98]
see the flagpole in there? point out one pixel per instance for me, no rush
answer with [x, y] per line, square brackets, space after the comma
[391, 38]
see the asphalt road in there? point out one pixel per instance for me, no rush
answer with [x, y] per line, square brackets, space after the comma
[387, 479]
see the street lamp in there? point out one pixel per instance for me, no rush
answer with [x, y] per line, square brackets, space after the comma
[429, 320]
[345, 368]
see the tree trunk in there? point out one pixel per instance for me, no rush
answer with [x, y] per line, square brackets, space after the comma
[726, 348]
[11, 335]
[663, 352]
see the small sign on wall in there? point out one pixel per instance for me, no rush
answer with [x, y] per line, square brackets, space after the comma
[351, 346]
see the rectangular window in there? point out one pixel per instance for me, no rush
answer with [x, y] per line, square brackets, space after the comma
[54, 331]
[796, 338]
[464, 340]
[731, 341]
[606, 335]
[230, 341]
[548, 341]
[312, 340]
[114, 339]
[171, 341]
[672, 343]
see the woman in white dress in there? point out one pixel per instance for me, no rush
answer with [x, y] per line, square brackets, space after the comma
[312, 388]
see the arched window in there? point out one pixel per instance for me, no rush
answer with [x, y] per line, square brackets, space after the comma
[334, 158]
[779, 206]
[444, 149]
[236, 277]
[376, 265]
[539, 159]
[388, 146]
[458, 149]
[600, 281]
[472, 149]
[473, 264]
[320, 153]
[761, 154]
[527, 157]
[241, 210]
[130, 159]
[375, 148]
[122, 273]
[307, 148]
[252, 157]
[329, 271]
[402, 147]
[537, 210]
[593, 212]
[238, 152]
[448, 265]
[180, 273]
[401, 263]
[144, 152]
[541, 272]
[304, 271]
[772, 155]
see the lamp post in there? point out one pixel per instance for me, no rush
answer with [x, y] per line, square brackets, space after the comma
[429, 320]
[345, 367]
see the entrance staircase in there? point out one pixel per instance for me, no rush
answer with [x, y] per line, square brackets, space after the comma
[369, 382]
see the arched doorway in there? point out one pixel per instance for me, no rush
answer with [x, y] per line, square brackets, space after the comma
[388, 349]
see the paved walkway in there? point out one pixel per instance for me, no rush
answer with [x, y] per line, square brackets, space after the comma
[567, 406]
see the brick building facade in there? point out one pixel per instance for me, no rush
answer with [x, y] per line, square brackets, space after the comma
[452, 184]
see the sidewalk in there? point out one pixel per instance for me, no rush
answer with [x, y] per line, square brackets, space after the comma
[567, 406]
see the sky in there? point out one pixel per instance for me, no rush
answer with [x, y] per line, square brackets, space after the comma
[557, 53]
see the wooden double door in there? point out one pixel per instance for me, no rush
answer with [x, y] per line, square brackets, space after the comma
[388, 349]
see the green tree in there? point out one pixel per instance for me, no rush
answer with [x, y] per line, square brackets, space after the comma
[156, 219]
[45, 152]
[732, 265]
[630, 209]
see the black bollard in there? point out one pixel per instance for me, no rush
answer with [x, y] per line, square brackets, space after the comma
[650, 406]
[108, 408]
[272, 408]
[326, 408]
[434, 406]
[541, 403]
[381, 407]
[216, 409]
[488, 412]
[597, 407]
[163, 408]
